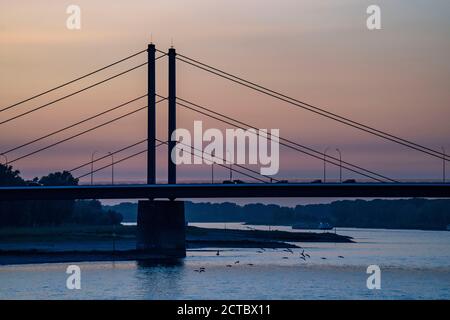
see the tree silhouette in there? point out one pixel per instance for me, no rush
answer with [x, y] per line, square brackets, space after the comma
[50, 212]
[64, 178]
[10, 177]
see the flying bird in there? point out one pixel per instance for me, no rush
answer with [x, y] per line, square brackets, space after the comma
[303, 254]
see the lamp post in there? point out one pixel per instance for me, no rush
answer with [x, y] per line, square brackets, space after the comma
[92, 166]
[231, 170]
[443, 164]
[213, 154]
[112, 167]
[340, 164]
[325, 164]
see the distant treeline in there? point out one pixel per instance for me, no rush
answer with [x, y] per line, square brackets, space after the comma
[387, 214]
[53, 212]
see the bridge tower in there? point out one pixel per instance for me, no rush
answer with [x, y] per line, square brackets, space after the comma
[172, 125]
[151, 115]
[161, 230]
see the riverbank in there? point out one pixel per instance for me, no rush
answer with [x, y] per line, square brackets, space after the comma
[107, 243]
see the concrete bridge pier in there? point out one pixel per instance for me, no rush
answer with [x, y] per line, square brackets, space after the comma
[161, 228]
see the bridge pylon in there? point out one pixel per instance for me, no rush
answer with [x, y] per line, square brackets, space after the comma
[172, 125]
[161, 229]
[151, 115]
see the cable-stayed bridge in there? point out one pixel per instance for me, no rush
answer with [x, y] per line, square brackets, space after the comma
[161, 223]
[379, 185]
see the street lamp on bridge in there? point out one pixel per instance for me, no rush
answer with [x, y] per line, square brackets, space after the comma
[112, 167]
[325, 164]
[231, 163]
[443, 164]
[213, 154]
[340, 164]
[92, 166]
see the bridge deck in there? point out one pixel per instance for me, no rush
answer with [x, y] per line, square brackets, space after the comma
[189, 191]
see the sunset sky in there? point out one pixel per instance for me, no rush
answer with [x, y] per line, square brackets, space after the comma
[395, 79]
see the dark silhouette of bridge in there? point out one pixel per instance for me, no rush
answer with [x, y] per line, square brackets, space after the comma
[155, 216]
[243, 190]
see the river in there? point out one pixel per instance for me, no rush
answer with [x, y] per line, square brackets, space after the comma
[414, 265]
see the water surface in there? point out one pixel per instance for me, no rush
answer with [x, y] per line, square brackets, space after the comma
[414, 265]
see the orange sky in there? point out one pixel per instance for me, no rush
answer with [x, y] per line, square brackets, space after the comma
[395, 79]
